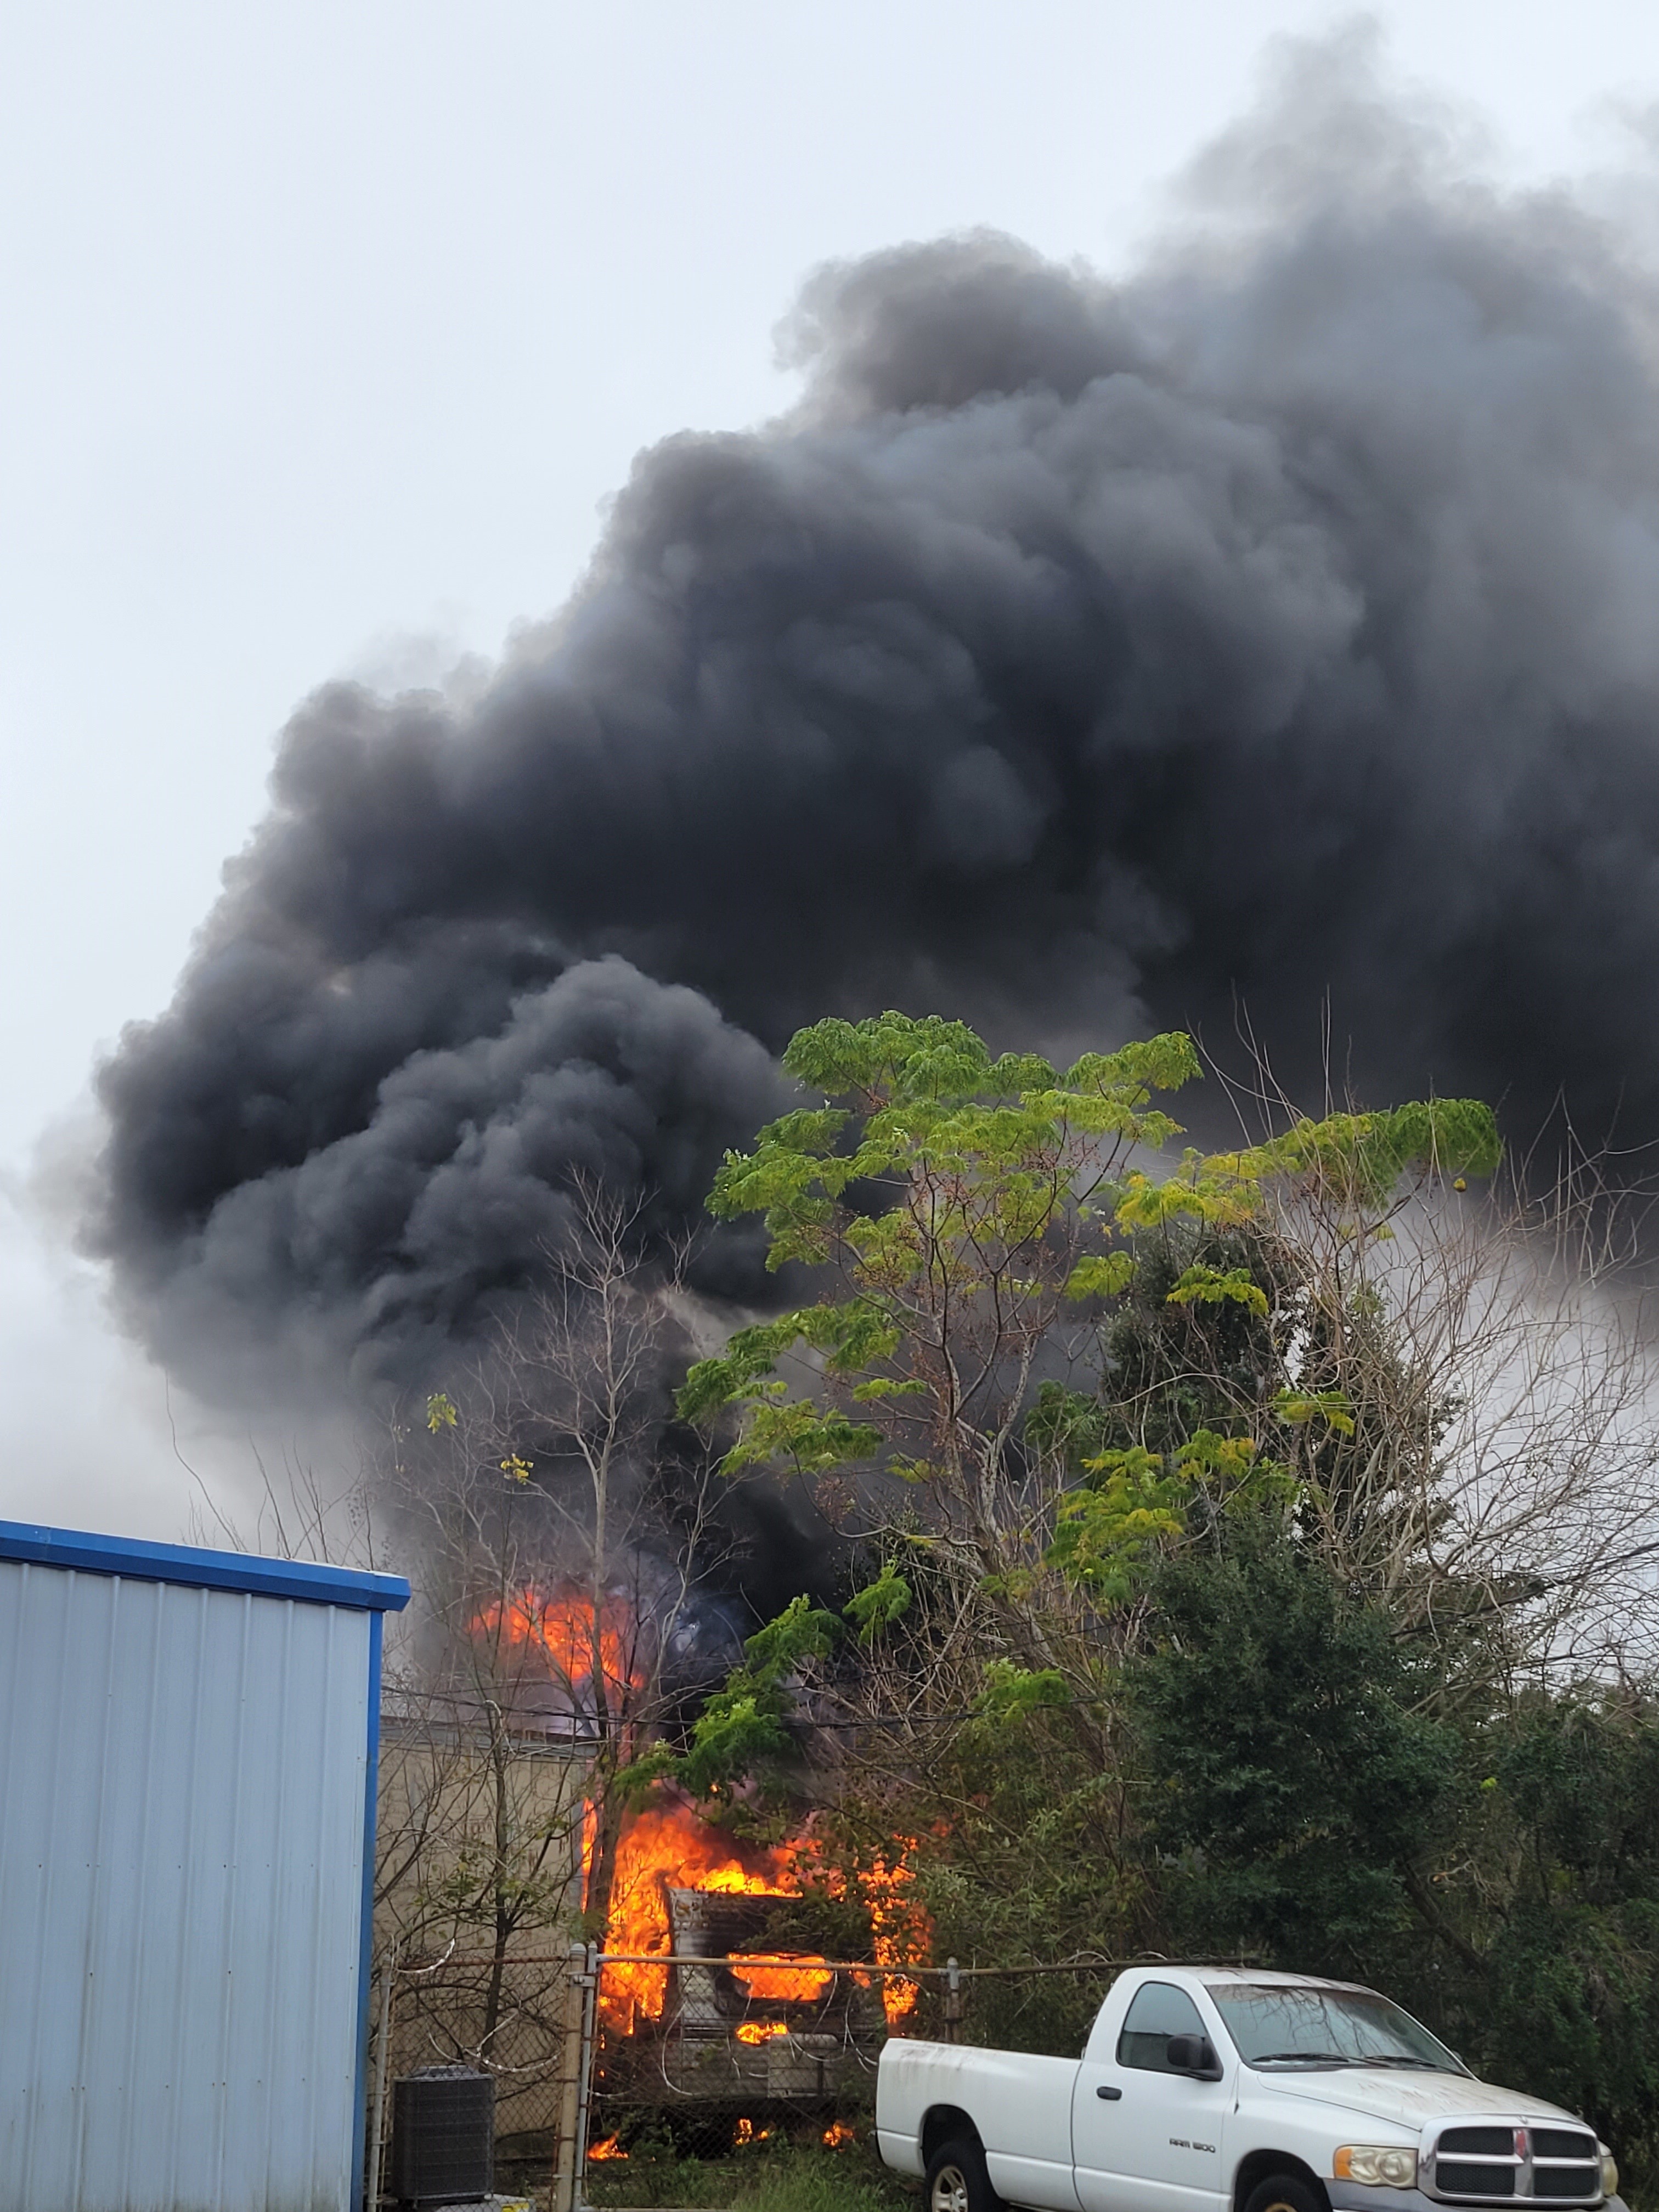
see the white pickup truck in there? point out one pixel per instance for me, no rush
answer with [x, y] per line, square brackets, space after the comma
[1205, 2089]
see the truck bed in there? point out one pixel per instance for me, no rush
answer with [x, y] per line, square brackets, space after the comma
[1014, 2097]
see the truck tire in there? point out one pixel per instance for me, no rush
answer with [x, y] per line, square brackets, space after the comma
[957, 2180]
[1286, 2193]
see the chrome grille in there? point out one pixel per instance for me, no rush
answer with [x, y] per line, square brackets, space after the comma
[1568, 2184]
[1457, 2177]
[1562, 2143]
[1493, 2165]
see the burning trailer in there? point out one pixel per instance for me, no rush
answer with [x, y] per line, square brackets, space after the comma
[741, 2022]
[713, 2027]
[698, 2001]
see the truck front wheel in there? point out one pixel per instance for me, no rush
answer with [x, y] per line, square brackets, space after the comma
[957, 2180]
[1284, 2192]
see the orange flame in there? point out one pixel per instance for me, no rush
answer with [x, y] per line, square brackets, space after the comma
[760, 2030]
[901, 1928]
[747, 2132]
[667, 1847]
[573, 1638]
[609, 2148]
[786, 1977]
[838, 2135]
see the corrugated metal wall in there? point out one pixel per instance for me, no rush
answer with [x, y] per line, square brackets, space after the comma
[181, 1850]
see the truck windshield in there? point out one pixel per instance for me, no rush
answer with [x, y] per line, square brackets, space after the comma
[1280, 2024]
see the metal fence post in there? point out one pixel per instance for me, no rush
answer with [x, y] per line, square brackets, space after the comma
[377, 2118]
[952, 2002]
[585, 2092]
[572, 2021]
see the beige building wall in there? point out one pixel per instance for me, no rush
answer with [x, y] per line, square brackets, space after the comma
[479, 1894]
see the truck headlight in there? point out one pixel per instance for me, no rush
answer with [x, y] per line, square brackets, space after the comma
[1383, 2164]
[1609, 2174]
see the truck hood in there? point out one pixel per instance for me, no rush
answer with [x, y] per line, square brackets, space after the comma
[1411, 2099]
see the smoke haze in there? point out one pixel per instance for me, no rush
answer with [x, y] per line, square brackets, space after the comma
[1275, 627]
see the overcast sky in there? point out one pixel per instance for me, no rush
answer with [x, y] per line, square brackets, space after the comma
[331, 327]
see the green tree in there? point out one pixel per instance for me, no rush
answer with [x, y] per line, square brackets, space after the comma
[1296, 1791]
[1000, 1244]
[1562, 1896]
[978, 1216]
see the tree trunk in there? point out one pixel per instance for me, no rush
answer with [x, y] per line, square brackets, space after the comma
[504, 1914]
[609, 1814]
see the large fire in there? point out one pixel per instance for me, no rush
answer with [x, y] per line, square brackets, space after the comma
[667, 1847]
[567, 1634]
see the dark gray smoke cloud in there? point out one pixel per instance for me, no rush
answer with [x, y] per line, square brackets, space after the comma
[1278, 627]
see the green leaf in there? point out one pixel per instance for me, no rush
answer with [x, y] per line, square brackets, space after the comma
[879, 1603]
[742, 1724]
[1103, 1535]
[1212, 1286]
[1011, 1693]
[801, 1630]
[950, 1189]
[1333, 1408]
[1064, 1423]
[1104, 1275]
[1367, 1154]
[796, 1429]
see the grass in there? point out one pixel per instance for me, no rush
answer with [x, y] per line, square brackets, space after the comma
[787, 2179]
[790, 2177]
[850, 2180]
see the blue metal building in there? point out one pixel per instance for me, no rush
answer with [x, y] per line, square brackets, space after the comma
[187, 1759]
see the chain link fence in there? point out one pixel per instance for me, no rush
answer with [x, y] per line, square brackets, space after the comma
[660, 2080]
[512, 2020]
[707, 2056]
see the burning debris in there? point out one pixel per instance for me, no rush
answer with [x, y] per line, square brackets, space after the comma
[579, 1642]
[735, 2014]
[666, 1861]
[900, 1930]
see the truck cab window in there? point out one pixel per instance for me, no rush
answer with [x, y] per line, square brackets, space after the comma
[1157, 2011]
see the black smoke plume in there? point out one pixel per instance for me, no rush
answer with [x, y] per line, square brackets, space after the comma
[1278, 628]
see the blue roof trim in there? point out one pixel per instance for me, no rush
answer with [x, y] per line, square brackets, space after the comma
[364, 2181]
[303, 1579]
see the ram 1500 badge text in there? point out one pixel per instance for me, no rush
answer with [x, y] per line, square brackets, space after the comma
[1204, 2089]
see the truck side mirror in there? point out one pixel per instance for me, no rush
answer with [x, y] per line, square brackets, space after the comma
[1193, 2055]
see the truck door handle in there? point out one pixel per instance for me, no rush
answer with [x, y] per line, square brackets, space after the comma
[1110, 2094]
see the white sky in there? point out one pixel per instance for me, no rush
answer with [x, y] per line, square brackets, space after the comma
[332, 324]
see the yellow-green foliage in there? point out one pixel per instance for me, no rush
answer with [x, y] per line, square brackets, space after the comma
[968, 1203]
